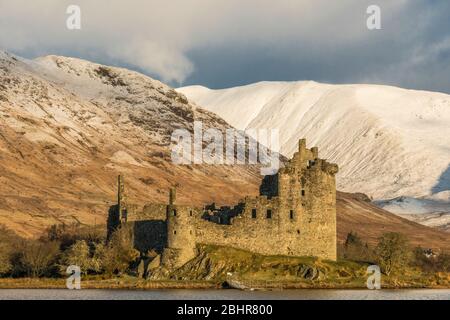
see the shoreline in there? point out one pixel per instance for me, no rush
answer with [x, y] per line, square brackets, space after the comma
[127, 284]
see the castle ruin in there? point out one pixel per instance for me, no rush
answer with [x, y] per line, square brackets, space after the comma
[295, 214]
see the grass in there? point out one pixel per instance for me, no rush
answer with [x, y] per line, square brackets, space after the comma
[297, 272]
[125, 282]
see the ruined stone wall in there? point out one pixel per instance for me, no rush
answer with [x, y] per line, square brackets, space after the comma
[305, 234]
[295, 214]
[151, 211]
[319, 211]
[148, 224]
[149, 235]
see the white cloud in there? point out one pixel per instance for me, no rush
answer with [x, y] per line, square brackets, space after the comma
[170, 64]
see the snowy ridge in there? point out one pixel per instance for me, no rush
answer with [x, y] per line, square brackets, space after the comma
[432, 211]
[388, 141]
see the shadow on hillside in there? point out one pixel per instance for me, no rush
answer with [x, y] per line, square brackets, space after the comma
[443, 183]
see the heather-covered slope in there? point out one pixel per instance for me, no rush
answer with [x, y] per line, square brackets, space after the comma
[68, 127]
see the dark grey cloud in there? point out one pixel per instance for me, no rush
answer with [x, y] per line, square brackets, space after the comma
[223, 43]
[412, 50]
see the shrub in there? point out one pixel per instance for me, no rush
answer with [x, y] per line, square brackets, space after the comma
[68, 235]
[120, 253]
[355, 249]
[36, 258]
[444, 262]
[392, 252]
[429, 261]
[5, 259]
[79, 255]
[97, 259]
[8, 240]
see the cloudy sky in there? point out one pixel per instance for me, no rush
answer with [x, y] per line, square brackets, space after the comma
[224, 43]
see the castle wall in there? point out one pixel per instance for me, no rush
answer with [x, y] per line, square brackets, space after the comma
[149, 225]
[149, 235]
[151, 211]
[308, 233]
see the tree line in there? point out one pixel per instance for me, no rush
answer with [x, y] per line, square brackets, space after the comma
[393, 254]
[65, 245]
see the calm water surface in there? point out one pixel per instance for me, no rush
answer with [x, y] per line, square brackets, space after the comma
[307, 294]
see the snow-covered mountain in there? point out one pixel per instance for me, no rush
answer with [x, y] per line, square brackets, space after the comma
[69, 126]
[389, 142]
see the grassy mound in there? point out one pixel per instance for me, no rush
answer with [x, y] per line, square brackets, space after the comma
[217, 263]
[222, 264]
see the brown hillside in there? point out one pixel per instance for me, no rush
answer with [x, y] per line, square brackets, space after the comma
[68, 127]
[369, 221]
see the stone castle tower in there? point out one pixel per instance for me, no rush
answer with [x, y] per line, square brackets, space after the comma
[118, 214]
[181, 239]
[121, 200]
[295, 214]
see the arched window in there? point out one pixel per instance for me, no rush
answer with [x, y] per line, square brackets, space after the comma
[269, 214]
[174, 212]
[291, 214]
[254, 213]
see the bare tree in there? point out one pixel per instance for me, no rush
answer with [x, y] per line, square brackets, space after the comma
[5, 258]
[392, 252]
[37, 257]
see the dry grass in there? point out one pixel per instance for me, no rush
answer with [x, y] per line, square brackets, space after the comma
[99, 283]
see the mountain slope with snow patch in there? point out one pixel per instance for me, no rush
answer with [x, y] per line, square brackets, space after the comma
[68, 127]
